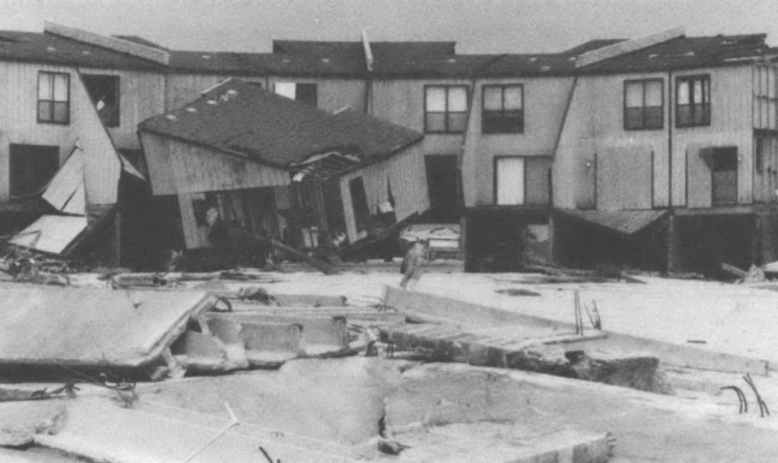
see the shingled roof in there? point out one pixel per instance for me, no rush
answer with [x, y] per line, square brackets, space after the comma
[54, 49]
[686, 53]
[275, 130]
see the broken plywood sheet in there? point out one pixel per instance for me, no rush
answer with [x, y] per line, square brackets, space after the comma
[91, 327]
[51, 233]
[65, 185]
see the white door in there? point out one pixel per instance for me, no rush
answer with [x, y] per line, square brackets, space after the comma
[510, 181]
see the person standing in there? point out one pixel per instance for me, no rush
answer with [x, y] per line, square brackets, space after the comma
[411, 267]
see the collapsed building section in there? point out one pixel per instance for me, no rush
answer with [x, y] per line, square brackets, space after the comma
[278, 168]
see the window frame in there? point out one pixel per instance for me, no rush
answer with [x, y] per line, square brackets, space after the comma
[644, 107]
[52, 75]
[502, 111]
[702, 78]
[446, 113]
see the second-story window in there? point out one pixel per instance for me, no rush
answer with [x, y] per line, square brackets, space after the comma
[445, 109]
[296, 91]
[104, 92]
[643, 104]
[692, 105]
[54, 97]
[503, 109]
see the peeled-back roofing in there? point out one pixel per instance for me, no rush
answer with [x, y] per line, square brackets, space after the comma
[50, 48]
[276, 130]
[686, 52]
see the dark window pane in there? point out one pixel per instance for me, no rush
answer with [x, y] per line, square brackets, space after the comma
[436, 122]
[633, 118]
[44, 111]
[359, 203]
[457, 122]
[502, 122]
[653, 118]
[684, 115]
[60, 112]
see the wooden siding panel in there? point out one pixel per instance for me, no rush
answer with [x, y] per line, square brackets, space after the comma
[624, 178]
[195, 236]
[699, 178]
[731, 125]
[405, 172]
[178, 167]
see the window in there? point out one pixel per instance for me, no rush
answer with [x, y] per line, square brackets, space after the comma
[643, 104]
[503, 109]
[104, 92]
[300, 92]
[32, 167]
[445, 109]
[692, 107]
[54, 97]
[359, 203]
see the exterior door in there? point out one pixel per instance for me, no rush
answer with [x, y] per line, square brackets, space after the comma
[509, 181]
[442, 178]
[724, 171]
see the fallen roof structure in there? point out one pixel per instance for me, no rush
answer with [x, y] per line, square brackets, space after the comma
[77, 327]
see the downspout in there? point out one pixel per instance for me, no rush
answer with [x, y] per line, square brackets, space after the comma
[670, 140]
[368, 105]
[561, 130]
[551, 190]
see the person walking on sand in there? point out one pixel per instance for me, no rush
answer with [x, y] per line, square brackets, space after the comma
[411, 267]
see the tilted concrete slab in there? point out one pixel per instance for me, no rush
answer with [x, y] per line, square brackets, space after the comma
[92, 327]
[437, 308]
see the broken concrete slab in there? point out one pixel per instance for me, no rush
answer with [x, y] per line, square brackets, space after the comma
[647, 427]
[269, 345]
[328, 332]
[526, 348]
[437, 308]
[101, 431]
[633, 370]
[492, 442]
[78, 327]
[21, 421]
[205, 353]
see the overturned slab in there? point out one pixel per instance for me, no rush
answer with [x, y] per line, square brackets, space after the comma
[79, 327]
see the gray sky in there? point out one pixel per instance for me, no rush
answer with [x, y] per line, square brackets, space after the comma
[479, 26]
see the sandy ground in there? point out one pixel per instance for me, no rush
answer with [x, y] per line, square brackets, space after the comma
[735, 319]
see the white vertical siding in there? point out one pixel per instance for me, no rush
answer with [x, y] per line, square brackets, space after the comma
[405, 172]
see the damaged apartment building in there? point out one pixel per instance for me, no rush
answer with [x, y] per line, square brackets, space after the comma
[657, 152]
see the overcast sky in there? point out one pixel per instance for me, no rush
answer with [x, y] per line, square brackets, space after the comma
[479, 26]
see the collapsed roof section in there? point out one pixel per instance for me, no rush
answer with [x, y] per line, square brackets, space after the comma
[244, 120]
